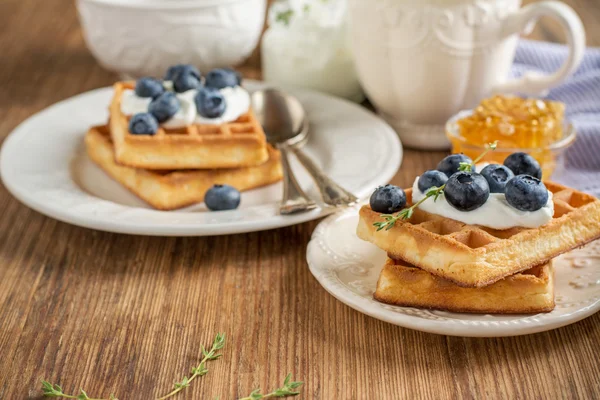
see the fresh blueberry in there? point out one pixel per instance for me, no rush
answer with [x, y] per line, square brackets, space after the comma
[185, 81]
[450, 164]
[466, 191]
[387, 199]
[164, 106]
[178, 69]
[143, 124]
[210, 102]
[496, 176]
[149, 87]
[523, 164]
[430, 179]
[222, 197]
[526, 193]
[223, 77]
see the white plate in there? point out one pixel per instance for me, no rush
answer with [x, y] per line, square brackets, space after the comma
[348, 268]
[44, 165]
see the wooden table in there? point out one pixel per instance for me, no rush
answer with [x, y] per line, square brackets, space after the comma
[128, 314]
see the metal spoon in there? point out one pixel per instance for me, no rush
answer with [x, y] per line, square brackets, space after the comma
[284, 120]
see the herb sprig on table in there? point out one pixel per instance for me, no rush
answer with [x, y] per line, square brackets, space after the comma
[54, 390]
[201, 369]
[286, 390]
[389, 220]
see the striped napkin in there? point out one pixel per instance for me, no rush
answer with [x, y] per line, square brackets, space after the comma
[581, 94]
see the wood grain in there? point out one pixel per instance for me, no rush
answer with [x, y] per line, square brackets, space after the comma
[128, 314]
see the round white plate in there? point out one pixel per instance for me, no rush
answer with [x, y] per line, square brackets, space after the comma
[348, 268]
[44, 165]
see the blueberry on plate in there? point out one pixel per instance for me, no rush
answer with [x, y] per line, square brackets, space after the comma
[148, 87]
[175, 70]
[523, 164]
[143, 124]
[496, 176]
[387, 199]
[210, 102]
[451, 163]
[223, 77]
[466, 191]
[185, 81]
[430, 179]
[222, 197]
[526, 193]
[164, 106]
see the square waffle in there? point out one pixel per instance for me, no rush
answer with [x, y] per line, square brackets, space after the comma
[168, 190]
[477, 256]
[530, 291]
[235, 144]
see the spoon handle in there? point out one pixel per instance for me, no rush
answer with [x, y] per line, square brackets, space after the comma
[332, 193]
[294, 199]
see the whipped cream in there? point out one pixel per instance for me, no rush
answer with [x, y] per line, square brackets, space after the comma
[495, 213]
[237, 103]
[131, 103]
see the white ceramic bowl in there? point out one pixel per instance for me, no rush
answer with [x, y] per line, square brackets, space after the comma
[145, 37]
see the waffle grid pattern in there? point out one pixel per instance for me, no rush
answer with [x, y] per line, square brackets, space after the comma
[565, 201]
[477, 256]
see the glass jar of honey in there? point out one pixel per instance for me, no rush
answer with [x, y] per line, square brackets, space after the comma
[533, 126]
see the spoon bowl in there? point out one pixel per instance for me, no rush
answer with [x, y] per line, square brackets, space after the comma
[281, 116]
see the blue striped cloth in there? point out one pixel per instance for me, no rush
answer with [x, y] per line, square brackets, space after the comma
[581, 94]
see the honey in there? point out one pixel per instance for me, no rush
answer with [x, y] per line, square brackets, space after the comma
[517, 124]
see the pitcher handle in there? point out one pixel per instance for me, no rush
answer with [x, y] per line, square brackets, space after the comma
[534, 83]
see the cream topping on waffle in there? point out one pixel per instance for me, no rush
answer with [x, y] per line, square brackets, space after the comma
[495, 213]
[237, 101]
[131, 103]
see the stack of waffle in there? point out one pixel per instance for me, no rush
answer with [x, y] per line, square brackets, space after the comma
[439, 263]
[175, 167]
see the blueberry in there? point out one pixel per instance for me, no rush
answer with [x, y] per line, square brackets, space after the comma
[223, 77]
[526, 193]
[466, 191]
[387, 199]
[450, 164]
[164, 106]
[496, 176]
[210, 102]
[149, 87]
[185, 81]
[175, 70]
[143, 124]
[222, 197]
[523, 164]
[430, 179]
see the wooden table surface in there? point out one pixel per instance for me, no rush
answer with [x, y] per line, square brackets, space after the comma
[128, 314]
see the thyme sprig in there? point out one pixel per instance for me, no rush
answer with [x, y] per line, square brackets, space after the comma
[54, 390]
[468, 167]
[286, 390]
[389, 220]
[201, 369]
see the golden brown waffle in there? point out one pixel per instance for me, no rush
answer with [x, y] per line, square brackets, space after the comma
[476, 256]
[530, 291]
[168, 190]
[235, 144]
